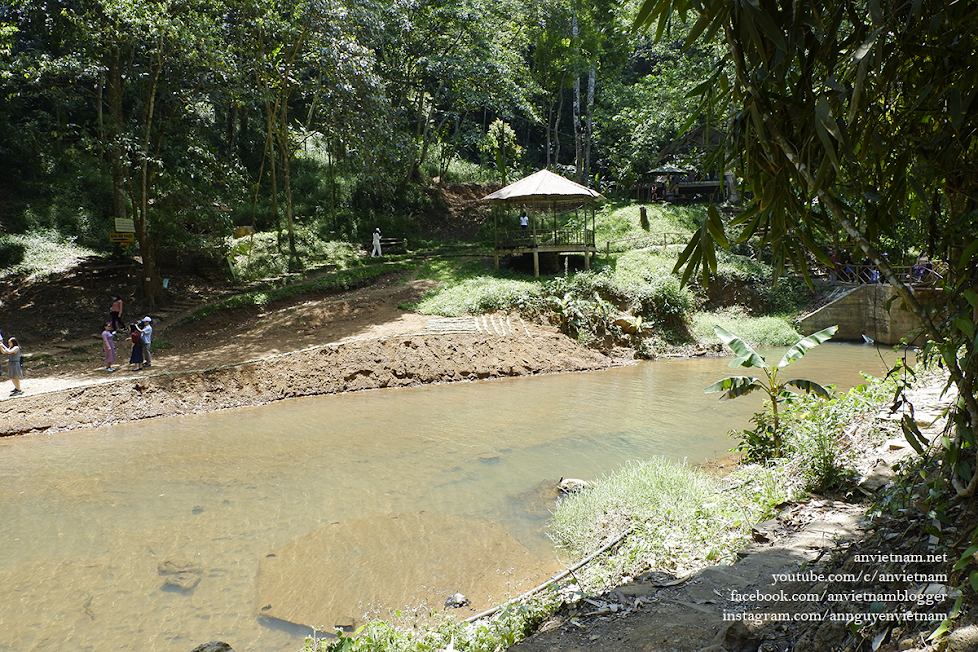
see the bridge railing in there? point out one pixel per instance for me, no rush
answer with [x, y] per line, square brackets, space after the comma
[922, 275]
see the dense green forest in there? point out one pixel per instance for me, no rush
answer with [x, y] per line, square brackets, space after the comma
[190, 117]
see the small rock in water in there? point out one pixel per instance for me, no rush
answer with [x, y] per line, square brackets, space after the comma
[456, 601]
[571, 485]
[213, 646]
[180, 574]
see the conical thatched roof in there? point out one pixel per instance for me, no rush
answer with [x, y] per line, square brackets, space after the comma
[543, 187]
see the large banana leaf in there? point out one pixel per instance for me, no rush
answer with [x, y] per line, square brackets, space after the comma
[735, 386]
[810, 387]
[746, 356]
[802, 345]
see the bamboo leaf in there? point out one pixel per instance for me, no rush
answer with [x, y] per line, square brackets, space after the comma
[715, 226]
[967, 255]
[967, 557]
[971, 297]
[912, 434]
[966, 326]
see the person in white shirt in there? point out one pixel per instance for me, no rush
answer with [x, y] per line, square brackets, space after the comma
[376, 251]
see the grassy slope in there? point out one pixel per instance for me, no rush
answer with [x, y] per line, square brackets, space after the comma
[636, 277]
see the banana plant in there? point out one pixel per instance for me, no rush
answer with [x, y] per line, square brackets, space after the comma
[776, 390]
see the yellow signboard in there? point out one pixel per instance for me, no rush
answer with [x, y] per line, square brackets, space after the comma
[127, 238]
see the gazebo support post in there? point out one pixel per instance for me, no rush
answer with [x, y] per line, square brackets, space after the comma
[495, 257]
[536, 261]
[587, 258]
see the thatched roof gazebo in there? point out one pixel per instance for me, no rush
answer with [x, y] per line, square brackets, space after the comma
[536, 194]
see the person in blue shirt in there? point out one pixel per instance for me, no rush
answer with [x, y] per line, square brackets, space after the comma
[146, 328]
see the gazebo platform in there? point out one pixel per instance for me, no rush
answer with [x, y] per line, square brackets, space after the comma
[541, 191]
[565, 241]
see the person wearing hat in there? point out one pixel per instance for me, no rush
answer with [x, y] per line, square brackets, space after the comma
[146, 328]
[376, 251]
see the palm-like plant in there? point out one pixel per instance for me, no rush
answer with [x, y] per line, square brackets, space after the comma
[777, 390]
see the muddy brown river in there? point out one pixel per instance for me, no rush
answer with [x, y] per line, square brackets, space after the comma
[252, 526]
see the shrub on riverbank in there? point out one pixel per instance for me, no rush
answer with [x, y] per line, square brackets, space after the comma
[821, 442]
[511, 624]
[585, 305]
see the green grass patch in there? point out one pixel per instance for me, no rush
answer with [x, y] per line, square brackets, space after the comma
[39, 253]
[622, 221]
[454, 269]
[266, 254]
[756, 331]
[480, 295]
[680, 518]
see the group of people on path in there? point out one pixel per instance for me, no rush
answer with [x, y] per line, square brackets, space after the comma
[140, 337]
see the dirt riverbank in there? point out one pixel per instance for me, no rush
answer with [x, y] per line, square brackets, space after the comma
[305, 346]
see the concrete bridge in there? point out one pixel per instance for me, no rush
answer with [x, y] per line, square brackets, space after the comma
[873, 310]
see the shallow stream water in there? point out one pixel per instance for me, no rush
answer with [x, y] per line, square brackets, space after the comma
[332, 506]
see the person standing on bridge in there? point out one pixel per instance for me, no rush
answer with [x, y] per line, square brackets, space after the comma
[376, 251]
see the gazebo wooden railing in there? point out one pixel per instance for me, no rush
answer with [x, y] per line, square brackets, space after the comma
[561, 237]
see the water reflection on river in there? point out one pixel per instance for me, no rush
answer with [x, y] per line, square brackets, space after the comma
[87, 517]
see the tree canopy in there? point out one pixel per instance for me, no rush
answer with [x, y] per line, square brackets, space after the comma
[859, 119]
[166, 111]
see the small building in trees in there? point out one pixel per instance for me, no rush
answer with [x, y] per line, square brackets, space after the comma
[559, 218]
[669, 182]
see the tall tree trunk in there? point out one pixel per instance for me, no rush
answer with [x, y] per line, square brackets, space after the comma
[586, 172]
[270, 151]
[116, 120]
[560, 113]
[285, 150]
[550, 120]
[578, 144]
[152, 287]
